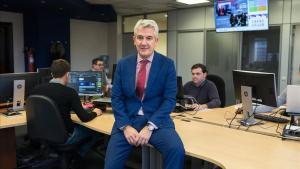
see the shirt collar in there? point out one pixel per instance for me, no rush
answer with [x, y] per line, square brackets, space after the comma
[150, 58]
[57, 80]
[201, 83]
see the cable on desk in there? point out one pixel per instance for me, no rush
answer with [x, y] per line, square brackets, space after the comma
[277, 130]
[230, 123]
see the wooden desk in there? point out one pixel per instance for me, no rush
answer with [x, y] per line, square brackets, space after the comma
[220, 115]
[8, 140]
[237, 149]
[226, 147]
[102, 124]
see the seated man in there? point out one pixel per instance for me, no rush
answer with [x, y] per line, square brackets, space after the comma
[203, 90]
[67, 100]
[98, 66]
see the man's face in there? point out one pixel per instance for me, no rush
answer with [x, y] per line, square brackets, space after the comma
[198, 76]
[145, 41]
[99, 66]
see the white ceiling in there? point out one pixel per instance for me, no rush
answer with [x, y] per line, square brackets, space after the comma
[132, 7]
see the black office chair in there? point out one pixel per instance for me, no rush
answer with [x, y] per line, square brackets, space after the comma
[45, 126]
[220, 84]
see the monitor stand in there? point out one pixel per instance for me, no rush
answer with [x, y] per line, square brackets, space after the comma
[19, 93]
[248, 117]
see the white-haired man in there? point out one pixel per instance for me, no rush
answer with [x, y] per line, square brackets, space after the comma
[143, 96]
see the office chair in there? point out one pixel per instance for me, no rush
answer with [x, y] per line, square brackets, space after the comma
[220, 84]
[45, 126]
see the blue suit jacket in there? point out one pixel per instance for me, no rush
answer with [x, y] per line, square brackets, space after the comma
[159, 97]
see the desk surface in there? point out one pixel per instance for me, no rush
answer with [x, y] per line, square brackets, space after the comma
[223, 116]
[12, 121]
[226, 147]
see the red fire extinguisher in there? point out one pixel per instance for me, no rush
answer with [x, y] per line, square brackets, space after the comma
[30, 60]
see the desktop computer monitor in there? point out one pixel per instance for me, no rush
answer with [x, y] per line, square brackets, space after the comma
[180, 90]
[45, 74]
[7, 84]
[259, 87]
[86, 83]
[113, 73]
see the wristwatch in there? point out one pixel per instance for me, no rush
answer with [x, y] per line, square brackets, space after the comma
[150, 127]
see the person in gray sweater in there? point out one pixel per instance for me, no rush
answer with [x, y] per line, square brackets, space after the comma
[204, 91]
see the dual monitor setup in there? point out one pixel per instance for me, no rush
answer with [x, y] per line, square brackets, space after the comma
[16, 87]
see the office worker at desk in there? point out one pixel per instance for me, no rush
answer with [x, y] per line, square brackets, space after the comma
[203, 90]
[98, 66]
[143, 96]
[67, 99]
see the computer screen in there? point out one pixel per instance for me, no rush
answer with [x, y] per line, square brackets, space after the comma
[45, 74]
[113, 73]
[241, 15]
[263, 86]
[7, 84]
[86, 82]
[180, 90]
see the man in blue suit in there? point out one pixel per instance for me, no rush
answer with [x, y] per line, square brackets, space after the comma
[143, 95]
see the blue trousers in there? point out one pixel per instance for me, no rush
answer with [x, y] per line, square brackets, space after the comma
[80, 133]
[165, 140]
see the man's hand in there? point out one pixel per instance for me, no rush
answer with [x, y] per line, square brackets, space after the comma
[98, 111]
[131, 135]
[198, 107]
[145, 135]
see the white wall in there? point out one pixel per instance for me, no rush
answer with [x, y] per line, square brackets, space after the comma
[18, 38]
[91, 39]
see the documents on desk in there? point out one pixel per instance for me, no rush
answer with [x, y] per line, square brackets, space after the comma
[291, 132]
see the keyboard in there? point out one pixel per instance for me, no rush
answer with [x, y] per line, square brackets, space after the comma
[267, 117]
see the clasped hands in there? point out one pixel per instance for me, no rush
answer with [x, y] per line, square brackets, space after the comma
[136, 138]
[198, 107]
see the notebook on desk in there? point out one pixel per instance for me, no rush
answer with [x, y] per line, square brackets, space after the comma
[292, 99]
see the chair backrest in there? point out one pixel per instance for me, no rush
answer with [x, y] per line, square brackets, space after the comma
[44, 121]
[220, 84]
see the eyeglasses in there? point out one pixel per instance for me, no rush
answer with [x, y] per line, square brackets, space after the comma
[148, 38]
[100, 64]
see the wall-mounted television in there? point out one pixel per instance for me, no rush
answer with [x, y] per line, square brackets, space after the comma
[241, 15]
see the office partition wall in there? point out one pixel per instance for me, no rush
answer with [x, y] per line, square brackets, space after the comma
[294, 67]
[189, 52]
[128, 46]
[221, 58]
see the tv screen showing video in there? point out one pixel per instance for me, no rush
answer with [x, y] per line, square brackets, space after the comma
[241, 15]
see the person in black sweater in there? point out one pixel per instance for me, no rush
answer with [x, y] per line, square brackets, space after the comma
[203, 90]
[68, 100]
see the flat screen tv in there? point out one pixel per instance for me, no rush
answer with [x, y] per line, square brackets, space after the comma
[241, 15]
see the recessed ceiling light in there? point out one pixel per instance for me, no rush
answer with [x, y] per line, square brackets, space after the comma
[61, 8]
[191, 2]
[43, 2]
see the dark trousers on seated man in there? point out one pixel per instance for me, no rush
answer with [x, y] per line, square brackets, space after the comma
[83, 133]
[165, 140]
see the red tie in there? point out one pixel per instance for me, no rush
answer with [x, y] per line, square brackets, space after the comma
[141, 79]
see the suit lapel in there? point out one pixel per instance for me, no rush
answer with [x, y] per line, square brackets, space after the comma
[131, 74]
[154, 70]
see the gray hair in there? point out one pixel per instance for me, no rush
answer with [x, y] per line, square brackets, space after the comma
[146, 23]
